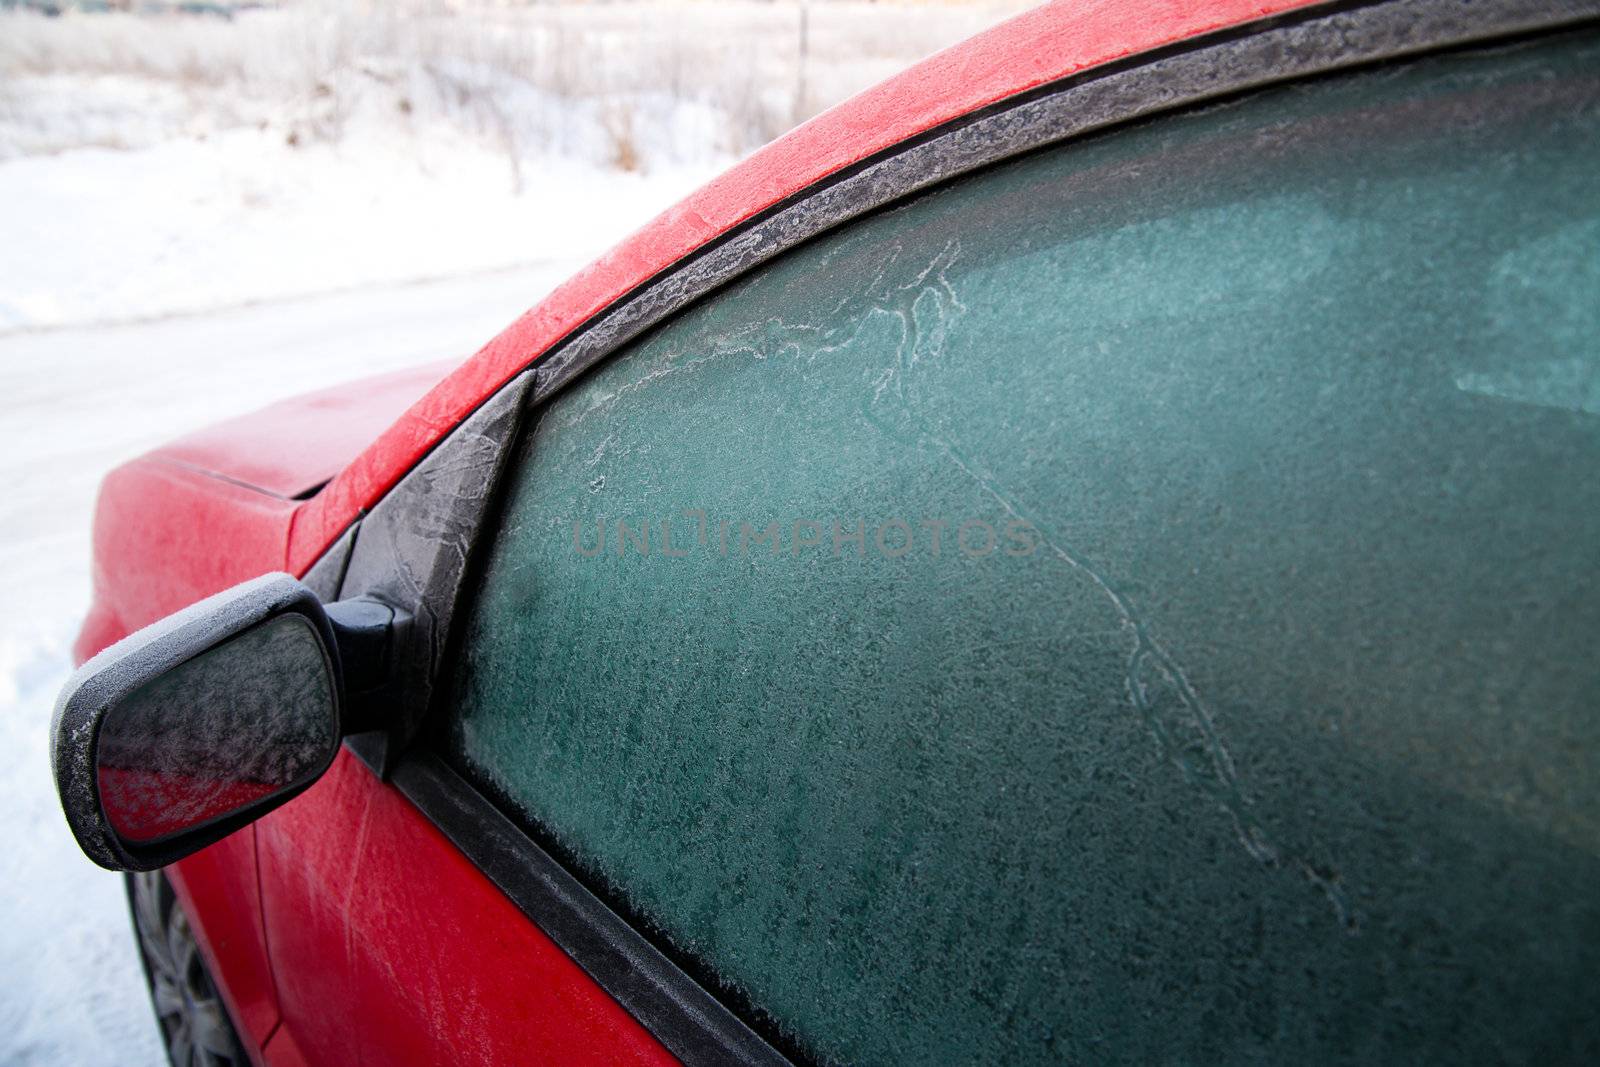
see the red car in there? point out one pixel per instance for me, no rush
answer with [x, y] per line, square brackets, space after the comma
[1085, 553]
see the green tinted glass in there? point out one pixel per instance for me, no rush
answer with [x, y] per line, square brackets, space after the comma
[1136, 604]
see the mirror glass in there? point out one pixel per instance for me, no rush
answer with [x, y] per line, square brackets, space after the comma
[240, 722]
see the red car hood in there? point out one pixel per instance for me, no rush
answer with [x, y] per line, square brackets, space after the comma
[217, 506]
[296, 446]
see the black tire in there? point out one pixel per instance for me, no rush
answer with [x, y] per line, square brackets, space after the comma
[195, 1027]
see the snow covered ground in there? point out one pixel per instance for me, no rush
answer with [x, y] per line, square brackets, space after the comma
[198, 218]
[89, 236]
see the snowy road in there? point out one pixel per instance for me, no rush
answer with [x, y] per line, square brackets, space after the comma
[73, 403]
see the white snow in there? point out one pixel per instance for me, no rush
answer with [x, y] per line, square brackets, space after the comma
[99, 235]
[198, 218]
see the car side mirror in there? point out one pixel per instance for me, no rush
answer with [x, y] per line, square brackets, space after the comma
[199, 724]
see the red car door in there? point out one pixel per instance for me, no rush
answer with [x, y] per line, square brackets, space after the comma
[396, 949]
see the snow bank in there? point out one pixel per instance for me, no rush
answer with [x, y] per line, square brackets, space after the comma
[97, 235]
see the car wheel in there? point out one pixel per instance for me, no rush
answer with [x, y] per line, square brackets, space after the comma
[194, 1022]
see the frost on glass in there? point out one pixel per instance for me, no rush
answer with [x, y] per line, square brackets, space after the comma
[1266, 722]
[210, 737]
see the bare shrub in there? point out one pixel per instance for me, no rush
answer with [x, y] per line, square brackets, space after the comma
[617, 119]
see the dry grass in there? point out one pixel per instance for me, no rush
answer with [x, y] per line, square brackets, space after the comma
[632, 84]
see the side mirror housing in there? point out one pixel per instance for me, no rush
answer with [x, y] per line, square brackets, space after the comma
[199, 724]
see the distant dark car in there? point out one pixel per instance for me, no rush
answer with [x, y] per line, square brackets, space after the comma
[1086, 553]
